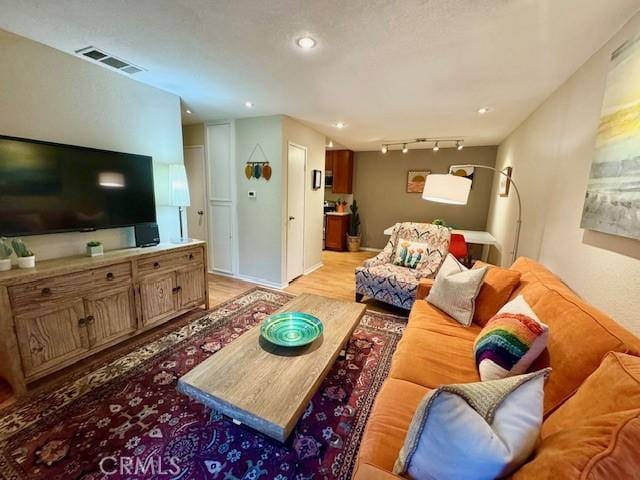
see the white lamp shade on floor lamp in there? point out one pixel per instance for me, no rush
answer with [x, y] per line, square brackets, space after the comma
[447, 188]
[178, 186]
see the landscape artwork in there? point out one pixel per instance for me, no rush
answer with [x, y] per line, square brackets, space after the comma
[612, 201]
[416, 180]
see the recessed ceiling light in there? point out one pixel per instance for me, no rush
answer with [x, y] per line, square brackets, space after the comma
[484, 110]
[340, 125]
[188, 112]
[248, 104]
[306, 43]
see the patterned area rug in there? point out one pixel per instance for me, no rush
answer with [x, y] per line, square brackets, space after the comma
[125, 419]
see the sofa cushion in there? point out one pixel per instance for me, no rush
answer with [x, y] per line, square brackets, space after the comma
[579, 334]
[496, 290]
[435, 349]
[388, 423]
[615, 386]
[595, 434]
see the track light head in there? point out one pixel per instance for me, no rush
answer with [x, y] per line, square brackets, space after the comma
[404, 148]
[459, 145]
[436, 147]
[385, 149]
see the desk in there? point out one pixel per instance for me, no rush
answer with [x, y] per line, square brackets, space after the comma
[470, 236]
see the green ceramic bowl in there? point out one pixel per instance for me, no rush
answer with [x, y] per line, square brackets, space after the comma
[291, 329]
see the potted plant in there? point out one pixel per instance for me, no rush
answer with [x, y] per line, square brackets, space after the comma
[94, 248]
[26, 258]
[5, 253]
[340, 205]
[353, 237]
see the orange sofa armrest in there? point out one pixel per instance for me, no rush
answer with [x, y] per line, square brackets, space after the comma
[424, 287]
[365, 471]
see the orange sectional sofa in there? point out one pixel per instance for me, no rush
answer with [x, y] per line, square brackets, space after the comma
[436, 350]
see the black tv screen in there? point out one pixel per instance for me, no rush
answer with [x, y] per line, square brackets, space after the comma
[48, 187]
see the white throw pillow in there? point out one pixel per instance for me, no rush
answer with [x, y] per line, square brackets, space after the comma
[455, 289]
[474, 431]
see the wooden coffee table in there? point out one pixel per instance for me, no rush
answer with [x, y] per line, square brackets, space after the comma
[268, 387]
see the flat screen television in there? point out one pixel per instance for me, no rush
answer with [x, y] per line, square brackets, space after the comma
[48, 188]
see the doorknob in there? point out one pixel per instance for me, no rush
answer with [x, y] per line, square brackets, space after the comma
[200, 212]
[292, 218]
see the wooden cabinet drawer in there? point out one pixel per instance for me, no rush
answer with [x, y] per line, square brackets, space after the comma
[112, 276]
[156, 263]
[49, 291]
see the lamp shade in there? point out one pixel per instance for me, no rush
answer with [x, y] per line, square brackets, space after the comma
[178, 186]
[450, 189]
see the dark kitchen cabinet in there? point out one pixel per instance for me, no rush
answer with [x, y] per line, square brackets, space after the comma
[336, 232]
[340, 163]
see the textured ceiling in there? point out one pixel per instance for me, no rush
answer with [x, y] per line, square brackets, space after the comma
[389, 69]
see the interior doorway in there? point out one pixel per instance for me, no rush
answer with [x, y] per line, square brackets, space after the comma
[296, 167]
[196, 176]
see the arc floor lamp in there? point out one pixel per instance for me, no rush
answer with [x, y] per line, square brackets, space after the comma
[454, 190]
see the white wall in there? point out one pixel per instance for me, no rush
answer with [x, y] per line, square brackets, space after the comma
[260, 219]
[551, 155]
[297, 133]
[49, 95]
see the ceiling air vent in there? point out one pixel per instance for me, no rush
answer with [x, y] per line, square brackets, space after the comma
[109, 60]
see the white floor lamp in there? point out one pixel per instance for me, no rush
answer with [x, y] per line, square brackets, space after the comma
[454, 190]
[179, 194]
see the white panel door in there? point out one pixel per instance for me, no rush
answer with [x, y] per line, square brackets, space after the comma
[196, 176]
[219, 152]
[221, 205]
[297, 159]
[221, 247]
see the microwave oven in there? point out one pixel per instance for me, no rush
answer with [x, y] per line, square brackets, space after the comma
[328, 179]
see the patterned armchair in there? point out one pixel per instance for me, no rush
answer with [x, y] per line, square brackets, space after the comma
[383, 280]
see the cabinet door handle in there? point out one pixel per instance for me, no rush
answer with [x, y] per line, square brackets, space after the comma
[156, 264]
[89, 320]
[37, 349]
[82, 322]
[191, 256]
[176, 289]
[46, 291]
[110, 276]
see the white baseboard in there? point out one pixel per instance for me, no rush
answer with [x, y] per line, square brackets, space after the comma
[260, 281]
[313, 269]
[369, 249]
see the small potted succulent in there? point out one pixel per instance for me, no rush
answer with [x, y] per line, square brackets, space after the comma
[353, 237]
[341, 205]
[5, 254]
[26, 258]
[94, 248]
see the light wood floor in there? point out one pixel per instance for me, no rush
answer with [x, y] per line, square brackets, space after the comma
[335, 279]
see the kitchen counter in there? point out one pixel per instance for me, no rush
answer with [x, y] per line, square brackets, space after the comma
[338, 214]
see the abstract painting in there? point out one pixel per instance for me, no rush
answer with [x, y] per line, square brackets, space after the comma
[416, 179]
[612, 201]
[461, 171]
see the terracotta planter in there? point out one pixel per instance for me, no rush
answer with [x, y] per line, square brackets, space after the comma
[353, 243]
[340, 208]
